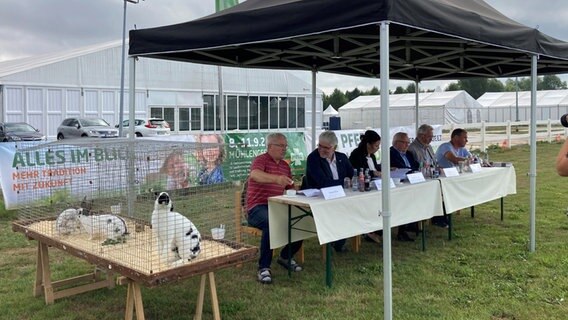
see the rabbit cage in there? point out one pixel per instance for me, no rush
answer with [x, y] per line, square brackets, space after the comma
[98, 199]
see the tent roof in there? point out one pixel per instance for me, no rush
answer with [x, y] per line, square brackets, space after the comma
[426, 99]
[429, 39]
[330, 111]
[19, 65]
[509, 99]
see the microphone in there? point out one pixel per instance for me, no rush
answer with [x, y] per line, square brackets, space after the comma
[564, 121]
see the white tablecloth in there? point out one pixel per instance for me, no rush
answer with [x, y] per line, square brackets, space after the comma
[471, 189]
[355, 214]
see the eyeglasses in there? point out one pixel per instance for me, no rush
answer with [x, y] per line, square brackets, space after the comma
[325, 147]
[283, 146]
[404, 141]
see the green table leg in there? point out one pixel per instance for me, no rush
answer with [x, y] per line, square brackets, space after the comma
[328, 272]
[449, 227]
[289, 241]
[501, 208]
[423, 235]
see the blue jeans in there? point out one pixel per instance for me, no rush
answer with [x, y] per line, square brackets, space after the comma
[258, 218]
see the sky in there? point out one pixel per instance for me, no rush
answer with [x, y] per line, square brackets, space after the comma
[34, 27]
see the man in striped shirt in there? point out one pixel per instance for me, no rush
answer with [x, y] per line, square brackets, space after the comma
[269, 176]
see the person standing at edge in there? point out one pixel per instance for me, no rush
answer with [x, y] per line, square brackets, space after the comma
[326, 168]
[269, 176]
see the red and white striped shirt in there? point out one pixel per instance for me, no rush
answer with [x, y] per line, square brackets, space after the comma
[258, 193]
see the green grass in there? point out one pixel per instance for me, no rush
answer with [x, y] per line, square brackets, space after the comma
[485, 272]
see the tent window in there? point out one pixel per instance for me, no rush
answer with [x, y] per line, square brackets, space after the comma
[273, 113]
[292, 112]
[231, 114]
[253, 112]
[208, 113]
[195, 118]
[184, 119]
[217, 113]
[301, 112]
[283, 112]
[243, 113]
[169, 116]
[156, 113]
[263, 112]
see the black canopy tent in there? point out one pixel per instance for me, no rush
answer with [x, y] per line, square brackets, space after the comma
[429, 39]
[403, 39]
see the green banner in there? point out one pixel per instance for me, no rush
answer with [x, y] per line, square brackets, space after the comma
[242, 148]
[221, 5]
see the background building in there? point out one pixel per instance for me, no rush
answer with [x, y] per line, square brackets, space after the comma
[85, 82]
[502, 106]
[435, 108]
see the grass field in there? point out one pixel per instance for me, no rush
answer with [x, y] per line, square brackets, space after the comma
[485, 272]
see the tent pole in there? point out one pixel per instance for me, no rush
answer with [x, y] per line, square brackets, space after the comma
[385, 169]
[221, 99]
[532, 169]
[313, 109]
[417, 115]
[132, 135]
[132, 98]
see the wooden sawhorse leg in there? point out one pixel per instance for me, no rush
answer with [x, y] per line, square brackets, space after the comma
[134, 301]
[43, 274]
[201, 297]
[75, 285]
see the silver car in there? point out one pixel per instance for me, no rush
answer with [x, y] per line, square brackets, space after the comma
[152, 127]
[85, 127]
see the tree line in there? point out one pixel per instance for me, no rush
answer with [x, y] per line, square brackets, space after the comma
[476, 87]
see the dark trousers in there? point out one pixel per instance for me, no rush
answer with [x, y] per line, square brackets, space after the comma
[258, 218]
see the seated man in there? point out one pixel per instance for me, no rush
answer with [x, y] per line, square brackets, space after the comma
[452, 152]
[420, 148]
[327, 167]
[399, 155]
[400, 158]
[448, 155]
[270, 175]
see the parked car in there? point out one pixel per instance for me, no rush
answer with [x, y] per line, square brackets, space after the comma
[151, 127]
[85, 127]
[19, 131]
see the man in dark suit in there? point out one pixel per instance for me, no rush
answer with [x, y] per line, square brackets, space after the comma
[400, 158]
[399, 155]
[326, 168]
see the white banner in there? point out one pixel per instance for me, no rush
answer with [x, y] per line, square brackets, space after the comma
[349, 139]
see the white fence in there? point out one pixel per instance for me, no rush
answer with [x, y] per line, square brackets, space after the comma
[505, 134]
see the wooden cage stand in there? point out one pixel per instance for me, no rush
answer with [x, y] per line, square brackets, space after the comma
[43, 283]
[134, 299]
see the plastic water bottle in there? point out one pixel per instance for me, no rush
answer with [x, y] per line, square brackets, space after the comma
[347, 183]
[435, 171]
[367, 180]
[361, 180]
[354, 181]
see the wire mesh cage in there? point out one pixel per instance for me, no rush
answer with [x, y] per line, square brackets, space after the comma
[143, 207]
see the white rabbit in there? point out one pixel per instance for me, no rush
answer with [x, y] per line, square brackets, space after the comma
[105, 226]
[174, 232]
[68, 222]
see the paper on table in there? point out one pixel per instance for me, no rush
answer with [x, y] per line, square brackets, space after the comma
[310, 192]
[399, 173]
[332, 192]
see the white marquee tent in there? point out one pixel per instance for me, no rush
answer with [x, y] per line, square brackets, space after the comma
[329, 112]
[502, 106]
[85, 82]
[434, 108]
